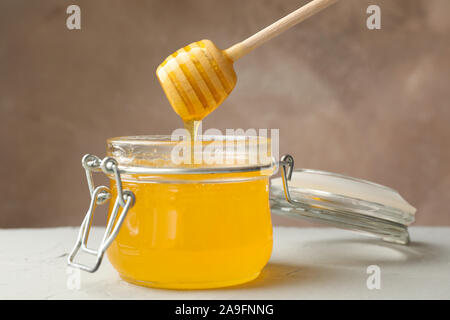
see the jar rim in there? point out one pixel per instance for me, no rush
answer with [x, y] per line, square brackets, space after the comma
[158, 139]
[152, 154]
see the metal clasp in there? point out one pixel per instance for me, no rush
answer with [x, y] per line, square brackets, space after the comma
[287, 167]
[99, 195]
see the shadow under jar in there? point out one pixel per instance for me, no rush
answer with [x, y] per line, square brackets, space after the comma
[192, 225]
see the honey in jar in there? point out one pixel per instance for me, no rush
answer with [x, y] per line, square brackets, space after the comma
[191, 227]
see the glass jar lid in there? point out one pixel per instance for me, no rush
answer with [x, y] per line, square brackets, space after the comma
[341, 201]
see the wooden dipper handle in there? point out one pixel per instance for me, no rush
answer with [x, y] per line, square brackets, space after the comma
[242, 48]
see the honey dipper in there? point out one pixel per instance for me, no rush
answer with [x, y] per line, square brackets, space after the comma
[199, 77]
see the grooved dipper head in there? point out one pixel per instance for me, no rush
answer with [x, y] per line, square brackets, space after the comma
[197, 79]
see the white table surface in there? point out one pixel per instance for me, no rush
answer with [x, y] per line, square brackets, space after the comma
[306, 263]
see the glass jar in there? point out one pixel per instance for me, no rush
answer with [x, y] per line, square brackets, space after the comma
[192, 226]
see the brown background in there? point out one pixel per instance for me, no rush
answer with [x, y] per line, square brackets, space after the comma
[371, 104]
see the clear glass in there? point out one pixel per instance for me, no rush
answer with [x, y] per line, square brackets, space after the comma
[187, 229]
[345, 202]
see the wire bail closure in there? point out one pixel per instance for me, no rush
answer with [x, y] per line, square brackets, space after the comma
[287, 167]
[100, 195]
